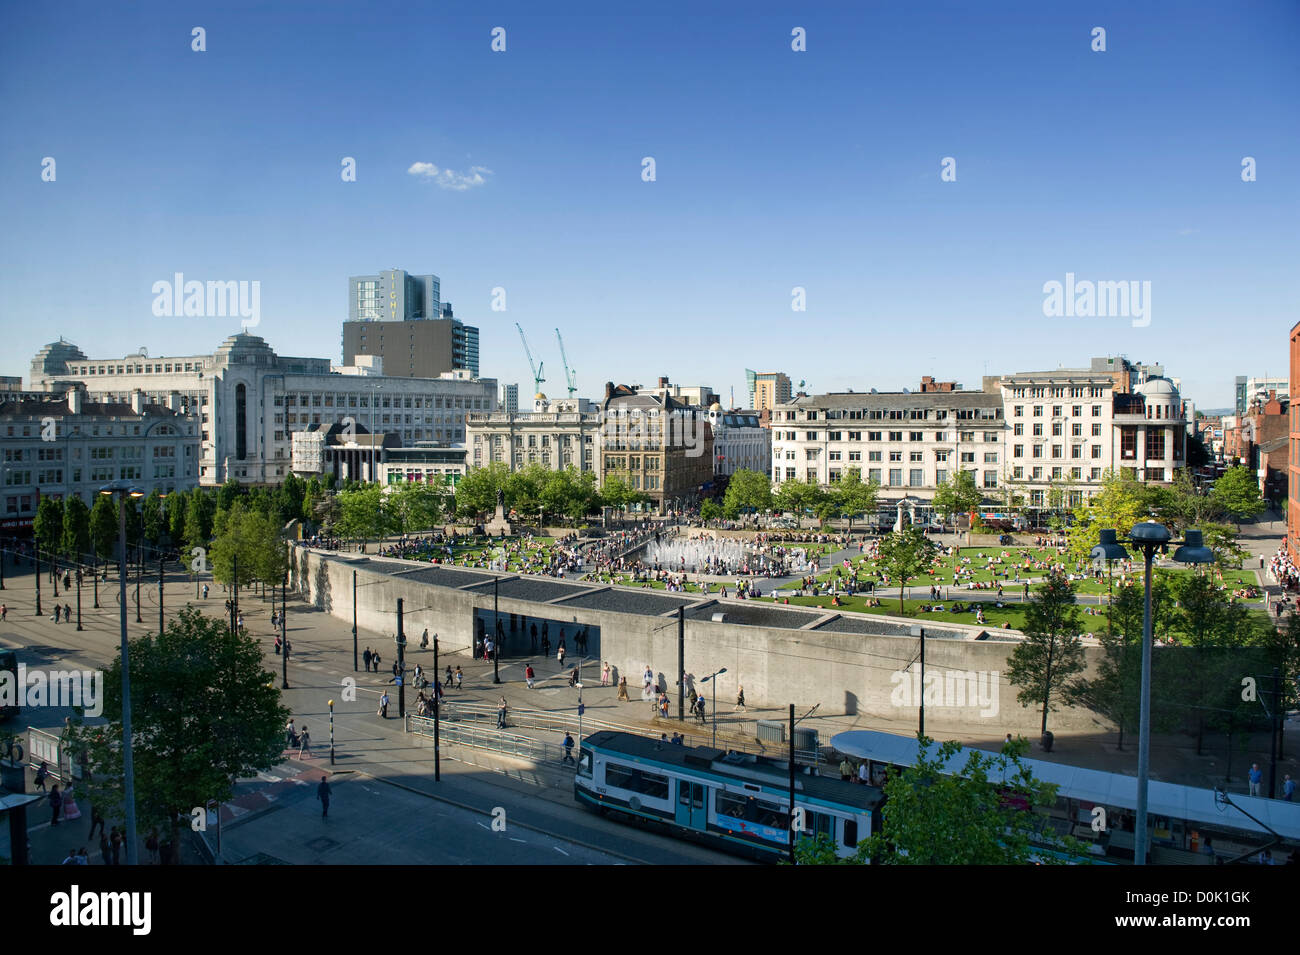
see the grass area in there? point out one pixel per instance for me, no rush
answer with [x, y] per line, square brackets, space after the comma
[941, 573]
[1012, 614]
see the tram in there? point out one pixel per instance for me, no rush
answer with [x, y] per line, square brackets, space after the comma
[1188, 825]
[736, 802]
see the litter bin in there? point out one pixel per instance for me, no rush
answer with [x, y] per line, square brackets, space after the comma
[1047, 741]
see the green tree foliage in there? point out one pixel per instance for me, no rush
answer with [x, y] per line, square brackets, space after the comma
[76, 529]
[363, 514]
[957, 495]
[903, 555]
[47, 526]
[747, 491]
[476, 494]
[204, 712]
[1237, 493]
[199, 515]
[104, 526]
[415, 507]
[228, 493]
[1121, 503]
[236, 539]
[799, 497]
[854, 496]
[1051, 654]
[152, 518]
[711, 510]
[177, 504]
[975, 818]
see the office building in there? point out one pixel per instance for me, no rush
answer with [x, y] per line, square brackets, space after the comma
[767, 389]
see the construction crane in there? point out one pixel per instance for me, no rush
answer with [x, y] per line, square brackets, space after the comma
[538, 367]
[570, 378]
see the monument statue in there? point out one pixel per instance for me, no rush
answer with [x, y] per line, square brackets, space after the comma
[501, 500]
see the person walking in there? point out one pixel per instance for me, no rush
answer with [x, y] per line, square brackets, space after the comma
[559, 654]
[374, 660]
[290, 734]
[205, 591]
[4, 612]
[96, 819]
[55, 800]
[501, 714]
[740, 697]
[151, 845]
[1288, 788]
[699, 708]
[622, 690]
[529, 675]
[42, 772]
[365, 658]
[460, 676]
[305, 742]
[604, 674]
[70, 809]
[424, 639]
[58, 611]
[105, 850]
[115, 839]
[383, 705]
[323, 794]
[1256, 776]
[568, 749]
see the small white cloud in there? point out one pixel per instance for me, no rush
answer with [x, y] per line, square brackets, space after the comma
[1188, 231]
[450, 178]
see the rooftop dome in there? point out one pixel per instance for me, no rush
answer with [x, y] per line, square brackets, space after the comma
[716, 406]
[1157, 388]
[539, 397]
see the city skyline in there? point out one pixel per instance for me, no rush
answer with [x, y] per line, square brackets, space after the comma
[1071, 164]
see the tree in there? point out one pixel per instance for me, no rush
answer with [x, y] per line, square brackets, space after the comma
[799, 497]
[983, 815]
[416, 507]
[476, 494]
[104, 525]
[1237, 493]
[904, 554]
[177, 505]
[711, 510]
[152, 517]
[47, 526]
[1051, 653]
[362, 513]
[854, 496]
[235, 541]
[616, 491]
[76, 529]
[747, 491]
[957, 495]
[1119, 504]
[523, 490]
[228, 493]
[204, 712]
[198, 519]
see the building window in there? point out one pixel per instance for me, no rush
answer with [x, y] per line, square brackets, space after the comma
[895, 477]
[916, 477]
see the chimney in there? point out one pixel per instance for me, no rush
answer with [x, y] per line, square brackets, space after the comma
[609, 390]
[137, 401]
[75, 399]
[663, 382]
[174, 401]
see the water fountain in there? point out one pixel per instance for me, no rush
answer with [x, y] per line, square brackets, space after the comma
[711, 555]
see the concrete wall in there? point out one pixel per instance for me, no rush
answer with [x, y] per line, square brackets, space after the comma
[847, 673]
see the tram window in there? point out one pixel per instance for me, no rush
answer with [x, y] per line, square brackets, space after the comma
[584, 764]
[637, 781]
[752, 810]
[850, 832]
[684, 793]
[821, 824]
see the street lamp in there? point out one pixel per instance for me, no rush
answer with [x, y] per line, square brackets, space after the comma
[919, 631]
[1148, 537]
[124, 491]
[707, 679]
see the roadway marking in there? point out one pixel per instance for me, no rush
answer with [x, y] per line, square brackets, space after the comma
[559, 850]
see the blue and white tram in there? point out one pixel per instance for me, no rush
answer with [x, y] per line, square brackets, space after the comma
[737, 802]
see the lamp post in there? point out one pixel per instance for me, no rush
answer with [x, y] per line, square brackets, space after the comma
[437, 726]
[401, 663]
[36, 553]
[331, 732]
[284, 624]
[497, 630]
[1148, 537]
[711, 678]
[918, 631]
[124, 492]
[79, 626]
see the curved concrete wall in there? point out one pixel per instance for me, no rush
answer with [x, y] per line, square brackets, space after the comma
[846, 672]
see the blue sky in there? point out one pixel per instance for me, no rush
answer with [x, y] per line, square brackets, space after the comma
[775, 169]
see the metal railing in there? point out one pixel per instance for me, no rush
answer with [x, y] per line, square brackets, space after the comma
[462, 714]
[482, 736]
